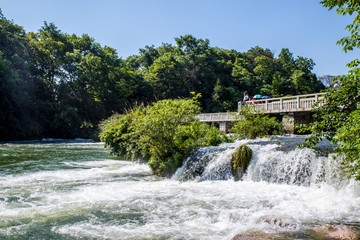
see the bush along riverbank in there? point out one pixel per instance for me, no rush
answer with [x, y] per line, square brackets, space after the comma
[251, 125]
[166, 132]
[163, 134]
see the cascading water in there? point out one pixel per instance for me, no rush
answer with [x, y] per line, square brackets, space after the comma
[275, 160]
[72, 190]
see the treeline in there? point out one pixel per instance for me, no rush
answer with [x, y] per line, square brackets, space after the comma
[53, 84]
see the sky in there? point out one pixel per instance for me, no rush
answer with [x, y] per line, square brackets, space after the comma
[305, 27]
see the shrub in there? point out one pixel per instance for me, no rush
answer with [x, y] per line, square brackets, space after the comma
[348, 139]
[164, 134]
[251, 125]
[118, 136]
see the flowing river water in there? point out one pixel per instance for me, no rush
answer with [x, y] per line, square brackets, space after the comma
[74, 190]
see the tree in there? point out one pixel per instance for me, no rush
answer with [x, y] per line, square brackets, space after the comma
[9, 123]
[286, 61]
[165, 75]
[347, 7]
[199, 63]
[265, 67]
[17, 101]
[347, 138]
[47, 52]
[337, 119]
[79, 82]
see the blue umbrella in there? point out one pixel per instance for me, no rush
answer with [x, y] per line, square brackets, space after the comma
[258, 96]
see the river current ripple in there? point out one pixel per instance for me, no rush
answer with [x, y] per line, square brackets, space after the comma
[74, 190]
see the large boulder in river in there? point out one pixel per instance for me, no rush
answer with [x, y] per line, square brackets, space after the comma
[240, 161]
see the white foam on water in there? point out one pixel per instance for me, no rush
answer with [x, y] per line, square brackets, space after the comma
[107, 199]
[210, 210]
[94, 170]
[35, 193]
[99, 163]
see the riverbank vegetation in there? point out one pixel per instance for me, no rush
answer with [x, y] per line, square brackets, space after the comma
[163, 134]
[250, 125]
[338, 119]
[60, 85]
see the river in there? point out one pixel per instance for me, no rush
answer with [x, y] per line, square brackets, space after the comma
[74, 190]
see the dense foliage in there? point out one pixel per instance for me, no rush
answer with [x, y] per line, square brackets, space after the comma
[59, 85]
[252, 125]
[163, 134]
[55, 84]
[338, 119]
[223, 75]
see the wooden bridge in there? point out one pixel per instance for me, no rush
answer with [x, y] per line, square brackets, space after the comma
[296, 107]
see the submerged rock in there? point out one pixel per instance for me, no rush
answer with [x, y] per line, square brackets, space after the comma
[337, 232]
[263, 236]
[278, 221]
[244, 237]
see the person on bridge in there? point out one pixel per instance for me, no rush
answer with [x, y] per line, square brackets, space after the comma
[246, 97]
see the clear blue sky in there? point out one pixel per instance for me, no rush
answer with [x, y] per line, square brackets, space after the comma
[304, 26]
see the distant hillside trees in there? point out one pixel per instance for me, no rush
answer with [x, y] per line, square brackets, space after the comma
[222, 75]
[54, 84]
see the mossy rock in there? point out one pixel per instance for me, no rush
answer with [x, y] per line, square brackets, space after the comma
[240, 161]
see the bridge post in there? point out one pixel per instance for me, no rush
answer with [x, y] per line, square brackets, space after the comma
[266, 105]
[239, 106]
[297, 102]
[288, 123]
[224, 127]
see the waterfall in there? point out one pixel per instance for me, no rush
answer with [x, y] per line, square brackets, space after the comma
[275, 160]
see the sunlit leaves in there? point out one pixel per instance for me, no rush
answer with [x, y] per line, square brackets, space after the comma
[251, 125]
[163, 134]
[347, 7]
[338, 119]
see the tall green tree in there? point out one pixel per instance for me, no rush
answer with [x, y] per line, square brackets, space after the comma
[17, 101]
[199, 67]
[166, 78]
[79, 82]
[47, 51]
[337, 120]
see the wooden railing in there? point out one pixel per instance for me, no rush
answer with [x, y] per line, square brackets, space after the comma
[299, 103]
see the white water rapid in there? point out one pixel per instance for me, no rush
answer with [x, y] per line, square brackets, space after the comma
[275, 160]
[74, 191]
